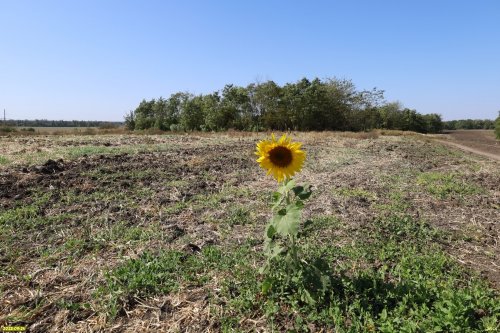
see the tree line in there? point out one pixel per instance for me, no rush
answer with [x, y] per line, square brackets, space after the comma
[469, 124]
[306, 105]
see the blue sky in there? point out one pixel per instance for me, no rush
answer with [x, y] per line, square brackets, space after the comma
[96, 60]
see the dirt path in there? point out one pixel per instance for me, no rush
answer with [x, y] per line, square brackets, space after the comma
[470, 149]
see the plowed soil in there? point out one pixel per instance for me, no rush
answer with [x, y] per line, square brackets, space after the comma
[481, 142]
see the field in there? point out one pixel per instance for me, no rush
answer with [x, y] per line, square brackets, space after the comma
[478, 141]
[148, 233]
[49, 130]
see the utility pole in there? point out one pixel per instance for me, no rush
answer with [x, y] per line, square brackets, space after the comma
[4, 120]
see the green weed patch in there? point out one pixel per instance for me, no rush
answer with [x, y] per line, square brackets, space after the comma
[446, 185]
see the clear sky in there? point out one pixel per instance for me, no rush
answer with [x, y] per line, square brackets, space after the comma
[97, 59]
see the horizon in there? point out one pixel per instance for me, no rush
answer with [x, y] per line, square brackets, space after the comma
[93, 61]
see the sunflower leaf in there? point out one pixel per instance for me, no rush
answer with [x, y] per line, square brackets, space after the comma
[287, 186]
[298, 189]
[277, 199]
[288, 224]
[271, 231]
[305, 195]
[274, 251]
[308, 223]
[303, 192]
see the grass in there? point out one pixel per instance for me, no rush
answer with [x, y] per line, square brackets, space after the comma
[356, 193]
[162, 273]
[149, 274]
[446, 185]
[4, 160]
[27, 217]
[398, 287]
[239, 216]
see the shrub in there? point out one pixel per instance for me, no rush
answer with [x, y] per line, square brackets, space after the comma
[7, 129]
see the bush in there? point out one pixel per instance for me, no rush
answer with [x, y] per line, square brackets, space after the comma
[175, 128]
[104, 126]
[7, 129]
[29, 129]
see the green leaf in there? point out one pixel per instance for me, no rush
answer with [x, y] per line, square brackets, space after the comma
[271, 231]
[305, 195]
[287, 186]
[266, 286]
[274, 251]
[288, 224]
[278, 198]
[298, 189]
[306, 297]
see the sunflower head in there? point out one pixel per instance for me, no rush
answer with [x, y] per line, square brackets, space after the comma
[282, 158]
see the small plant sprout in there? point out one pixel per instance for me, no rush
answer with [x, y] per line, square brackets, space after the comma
[285, 270]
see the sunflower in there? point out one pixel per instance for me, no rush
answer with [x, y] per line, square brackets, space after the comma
[282, 158]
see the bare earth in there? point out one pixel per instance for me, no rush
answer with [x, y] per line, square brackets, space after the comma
[481, 142]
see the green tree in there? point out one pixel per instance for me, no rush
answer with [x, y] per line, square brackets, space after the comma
[144, 115]
[392, 116]
[236, 107]
[433, 123]
[266, 98]
[174, 108]
[130, 121]
[160, 114]
[191, 117]
[316, 105]
[214, 119]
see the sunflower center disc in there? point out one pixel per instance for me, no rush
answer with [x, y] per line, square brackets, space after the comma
[281, 156]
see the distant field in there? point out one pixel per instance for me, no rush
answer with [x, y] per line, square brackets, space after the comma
[163, 233]
[20, 131]
[481, 142]
[52, 129]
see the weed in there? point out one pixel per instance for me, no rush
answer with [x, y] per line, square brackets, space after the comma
[147, 275]
[162, 273]
[239, 216]
[446, 185]
[4, 160]
[402, 286]
[29, 217]
[356, 193]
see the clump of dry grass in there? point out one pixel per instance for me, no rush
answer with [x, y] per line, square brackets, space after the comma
[360, 135]
[387, 132]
